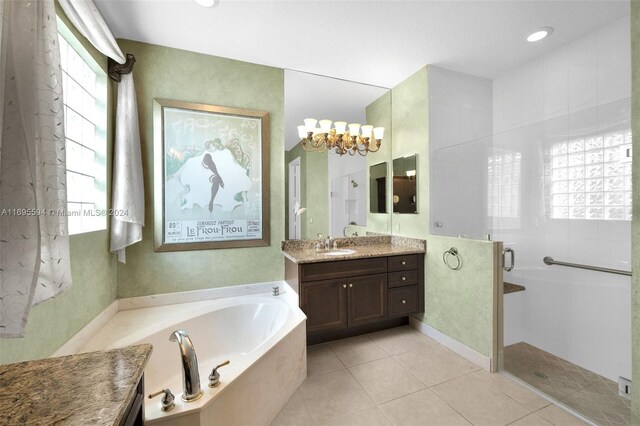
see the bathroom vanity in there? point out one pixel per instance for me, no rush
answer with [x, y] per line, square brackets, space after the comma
[377, 286]
[96, 388]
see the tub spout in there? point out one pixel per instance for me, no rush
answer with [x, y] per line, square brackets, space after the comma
[190, 373]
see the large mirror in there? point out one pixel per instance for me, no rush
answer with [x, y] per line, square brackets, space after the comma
[378, 183]
[405, 175]
[327, 193]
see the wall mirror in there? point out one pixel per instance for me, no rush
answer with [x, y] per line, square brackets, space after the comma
[328, 193]
[405, 175]
[378, 183]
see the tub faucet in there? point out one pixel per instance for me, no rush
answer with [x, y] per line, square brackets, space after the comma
[190, 373]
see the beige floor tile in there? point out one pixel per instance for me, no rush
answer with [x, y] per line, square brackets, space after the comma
[385, 379]
[333, 395]
[423, 408]
[401, 339]
[435, 365]
[321, 360]
[531, 420]
[479, 402]
[367, 417]
[514, 390]
[559, 417]
[294, 413]
[357, 350]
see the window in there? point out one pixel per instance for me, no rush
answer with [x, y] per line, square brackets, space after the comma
[85, 97]
[591, 178]
[503, 174]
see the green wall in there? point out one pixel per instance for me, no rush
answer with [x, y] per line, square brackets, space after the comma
[162, 72]
[410, 134]
[459, 303]
[635, 65]
[314, 181]
[93, 269]
[379, 112]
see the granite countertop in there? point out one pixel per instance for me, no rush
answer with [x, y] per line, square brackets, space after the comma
[512, 288]
[304, 251]
[87, 389]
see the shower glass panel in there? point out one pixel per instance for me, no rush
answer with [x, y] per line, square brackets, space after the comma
[561, 188]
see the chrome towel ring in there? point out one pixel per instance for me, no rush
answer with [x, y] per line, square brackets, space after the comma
[447, 259]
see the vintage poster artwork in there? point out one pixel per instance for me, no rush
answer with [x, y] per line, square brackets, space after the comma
[212, 177]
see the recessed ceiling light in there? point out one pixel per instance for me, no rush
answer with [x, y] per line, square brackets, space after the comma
[207, 3]
[540, 34]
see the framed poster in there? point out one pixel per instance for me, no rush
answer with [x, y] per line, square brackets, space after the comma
[211, 176]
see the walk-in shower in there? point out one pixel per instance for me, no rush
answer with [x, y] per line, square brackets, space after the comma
[546, 168]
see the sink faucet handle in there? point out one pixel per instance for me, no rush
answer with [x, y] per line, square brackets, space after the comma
[167, 402]
[214, 377]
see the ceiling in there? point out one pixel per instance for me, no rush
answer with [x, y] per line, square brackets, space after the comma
[375, 42]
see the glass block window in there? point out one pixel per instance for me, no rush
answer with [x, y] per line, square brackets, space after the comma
[503, 172]
[85, 97]
[591, 178]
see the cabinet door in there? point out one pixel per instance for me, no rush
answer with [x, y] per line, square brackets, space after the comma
[325, 304]
[367, 299]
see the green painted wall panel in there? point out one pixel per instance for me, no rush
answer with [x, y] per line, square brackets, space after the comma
[635, 293]
[163, 72]
[460, 303]
[410, 116]
[93, 269]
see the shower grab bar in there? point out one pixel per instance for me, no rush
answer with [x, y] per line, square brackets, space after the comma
[548, 260]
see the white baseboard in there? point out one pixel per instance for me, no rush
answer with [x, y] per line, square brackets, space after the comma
[461, 349]
[78, 340]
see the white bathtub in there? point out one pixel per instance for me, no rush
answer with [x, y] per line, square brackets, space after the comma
[263, 336]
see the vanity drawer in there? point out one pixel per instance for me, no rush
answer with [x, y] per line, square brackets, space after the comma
[401, 263]
[342, 268]
[402, 301]
[403, 278]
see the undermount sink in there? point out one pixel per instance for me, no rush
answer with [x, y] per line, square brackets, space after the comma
[338, 252]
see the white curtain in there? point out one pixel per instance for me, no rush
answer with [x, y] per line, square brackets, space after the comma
[34, 244]
[128, 189]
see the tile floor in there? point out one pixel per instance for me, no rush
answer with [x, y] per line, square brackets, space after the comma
[586, 392]
[401, 377]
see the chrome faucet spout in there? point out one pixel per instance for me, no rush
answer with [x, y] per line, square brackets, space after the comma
[190, 372]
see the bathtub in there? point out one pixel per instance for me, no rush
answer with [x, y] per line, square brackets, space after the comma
[263, 336]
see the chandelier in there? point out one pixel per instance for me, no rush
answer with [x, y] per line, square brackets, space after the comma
[339, 140]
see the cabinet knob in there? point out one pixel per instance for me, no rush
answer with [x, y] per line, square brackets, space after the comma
[350, 285]
[404, 278]
[404, 263]
[344, 286]
[404, 301]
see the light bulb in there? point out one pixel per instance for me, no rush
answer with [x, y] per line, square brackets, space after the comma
[341, 127]
[354, 129]
[378, 133]
[310, 124]
[366, 131]
[302, 132]
[325, 126]
[540, 34]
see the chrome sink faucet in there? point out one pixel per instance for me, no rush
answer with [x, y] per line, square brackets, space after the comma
[190, 372]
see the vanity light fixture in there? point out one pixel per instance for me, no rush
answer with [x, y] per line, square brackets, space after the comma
[338, 139]
[540, 34]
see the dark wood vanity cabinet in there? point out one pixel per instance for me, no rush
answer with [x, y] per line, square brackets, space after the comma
[350, 297]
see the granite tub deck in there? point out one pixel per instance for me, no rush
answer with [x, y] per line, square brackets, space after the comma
[94, 388]
[304, 251]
